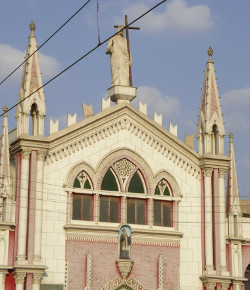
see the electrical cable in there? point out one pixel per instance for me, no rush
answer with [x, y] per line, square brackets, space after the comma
[45, 41]
[83, 56]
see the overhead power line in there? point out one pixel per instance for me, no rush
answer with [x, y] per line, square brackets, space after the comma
[85, 55]
[45, 41]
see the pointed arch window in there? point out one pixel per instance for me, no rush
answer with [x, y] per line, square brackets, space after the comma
[215, 140]
[109, 181]
[136, 184]
[163, 209]
[123, 197]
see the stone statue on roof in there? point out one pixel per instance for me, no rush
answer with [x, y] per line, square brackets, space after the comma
[120, 60]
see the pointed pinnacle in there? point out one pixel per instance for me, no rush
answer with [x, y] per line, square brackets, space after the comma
[210, 52]
[231, 137]
[32, 26]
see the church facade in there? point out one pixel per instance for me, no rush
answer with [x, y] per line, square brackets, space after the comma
[116, 201]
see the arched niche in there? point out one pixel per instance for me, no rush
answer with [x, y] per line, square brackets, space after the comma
[120, 154]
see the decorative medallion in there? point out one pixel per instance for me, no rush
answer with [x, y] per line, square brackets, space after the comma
[124, 168]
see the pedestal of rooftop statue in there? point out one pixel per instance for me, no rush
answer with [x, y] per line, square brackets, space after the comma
[121, 94]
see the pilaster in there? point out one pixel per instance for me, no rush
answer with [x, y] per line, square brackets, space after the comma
[36, 281]
[23, 209]
[208, 221]
[19, 280]
[38, 206]
[222, 215]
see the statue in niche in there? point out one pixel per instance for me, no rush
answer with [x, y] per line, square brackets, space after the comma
[125, 242]
[120, 58]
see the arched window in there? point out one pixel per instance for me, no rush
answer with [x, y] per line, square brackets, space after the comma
[163, 208]
[82, 205]
[109, 181]
[215, 140]
[123, 196]
[34, 119]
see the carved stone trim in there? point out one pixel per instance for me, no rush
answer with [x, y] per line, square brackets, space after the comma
[114, 238]
[160, 273]
[124, 153]
[155, 241]
[125, 267]
[124, 168]
[19, 278]
[117, 282]
[66, 275]
[166, 148]
[208, 172]
[76, 169]
[89, 272]
[222, 173]
[92, 237]
[170, 179]
[25, 154]
[210, 285]
[36, 278]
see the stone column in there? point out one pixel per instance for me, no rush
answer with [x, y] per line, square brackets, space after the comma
[39, 206]
[160, 273]
[223, 254]
[224, 286]
[210, 285]
[123, 210]
[150, 212]
[19, 280]
[208, 221]
[88, 272]
[96, 207]
[23, 207]
[2, 280]
[36, 281]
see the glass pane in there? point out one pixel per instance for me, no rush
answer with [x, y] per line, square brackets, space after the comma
[77, 183]
[157, 190]
[131, 211]
[166, 214]
[109, 182]
[104, 205]
[87, 184]
[136, 184]
[140, 211]
[157, 213]
[114, 209]
[86, 214]
[76, 215]
[167, 191]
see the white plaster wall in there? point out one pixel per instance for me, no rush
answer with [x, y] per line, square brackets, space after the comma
[54, 205]
[246, 228]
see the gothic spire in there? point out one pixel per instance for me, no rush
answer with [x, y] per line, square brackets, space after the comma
[233, 201]
[31, 81]
[210, 130]
[4, 150]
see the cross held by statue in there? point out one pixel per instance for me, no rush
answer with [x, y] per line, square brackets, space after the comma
[128, 44]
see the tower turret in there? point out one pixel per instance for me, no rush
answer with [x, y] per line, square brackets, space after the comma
[5, 189]
[31, 112]
[210, 129]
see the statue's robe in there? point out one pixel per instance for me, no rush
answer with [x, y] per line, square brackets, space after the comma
[119, 60]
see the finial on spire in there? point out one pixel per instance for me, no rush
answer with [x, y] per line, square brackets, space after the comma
[32, 26]
[231, 137]
[5, 109]
[210, 52]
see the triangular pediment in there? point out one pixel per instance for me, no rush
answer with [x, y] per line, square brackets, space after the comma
[125, 119]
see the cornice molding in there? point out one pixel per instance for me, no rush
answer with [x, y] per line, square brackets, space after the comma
[160, 141]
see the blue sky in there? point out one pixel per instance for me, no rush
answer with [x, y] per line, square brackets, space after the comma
[169, 55]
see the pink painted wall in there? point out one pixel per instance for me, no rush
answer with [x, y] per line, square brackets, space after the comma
[245, 258]
[104, 256]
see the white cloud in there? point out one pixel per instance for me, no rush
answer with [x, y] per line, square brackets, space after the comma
[157, 102]
[236, 105]
[11, 57]
[177, 17]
